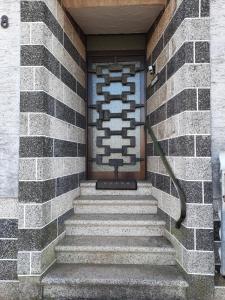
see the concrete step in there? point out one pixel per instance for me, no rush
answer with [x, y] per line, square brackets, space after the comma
[115, 250]
[117, 282]
[115, 225]
[88, 188]
[115, 204]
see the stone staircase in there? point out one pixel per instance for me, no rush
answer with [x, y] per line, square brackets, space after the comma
[114, 248]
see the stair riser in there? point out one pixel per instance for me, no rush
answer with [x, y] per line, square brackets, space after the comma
[114, 230]
[85, 191]
[113, 292]
[115, 258]
[115, 209]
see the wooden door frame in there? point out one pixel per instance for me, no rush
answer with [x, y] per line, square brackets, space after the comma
[106, 56]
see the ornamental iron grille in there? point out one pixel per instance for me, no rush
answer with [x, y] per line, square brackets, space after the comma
[115, 123]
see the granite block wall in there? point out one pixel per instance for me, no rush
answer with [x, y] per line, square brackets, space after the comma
[52, 130]
[218, 111]
[9, 142]
[178, 105]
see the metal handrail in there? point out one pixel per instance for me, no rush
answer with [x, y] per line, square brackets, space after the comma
[180, 191]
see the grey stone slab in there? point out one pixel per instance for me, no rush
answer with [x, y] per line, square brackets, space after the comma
[50, 168]
[192, 190]
[38, 55]
[162, 182]
[205, 8]
[199, 216]
[37, 216]
[165, 147]
[193, 168]
[199, 262]
[66, 183]
[36, 191]
[114, 274]
[182, 146]
[114, 243]
[208, 192]
[164, 216]
[40, 34]
[8, 249]
[29, 287]
[187, 9]
[158, 115]
[26, 78]
[37, 239]
[65, 148]
[200, 287]
[23, 124]
[70, 48]
[38, 11]
[184, 235]
[202, 52]
[204, 99]
[80, 120]
[185, 100]
[8, 228]
[183, 55]
[8, 270]
[81, 150]
[27, 169]
[37, 102]
[23, 265]
[63, 218]
[115, 218]
[157, 50]
[9, 290]
[36, 147]
[203, 146]
[219, 293]
[65, 113]
[204, 239]
[81, 91]
[137, 282]
[68, 79]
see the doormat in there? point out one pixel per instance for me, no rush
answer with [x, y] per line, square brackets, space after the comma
[116, 185]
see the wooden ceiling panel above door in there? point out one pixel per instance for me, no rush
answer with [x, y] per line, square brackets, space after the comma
[114, 16]
[97, 3]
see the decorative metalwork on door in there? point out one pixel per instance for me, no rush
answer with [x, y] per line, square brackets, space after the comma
[116, 120]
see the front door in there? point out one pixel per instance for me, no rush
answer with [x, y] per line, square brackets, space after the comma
[116, 114]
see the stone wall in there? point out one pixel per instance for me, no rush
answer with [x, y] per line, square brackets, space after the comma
[9, 141]
[52, 130]
[217, 109]
[179, 109]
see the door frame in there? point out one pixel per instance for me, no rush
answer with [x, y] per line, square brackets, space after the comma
[102, 56]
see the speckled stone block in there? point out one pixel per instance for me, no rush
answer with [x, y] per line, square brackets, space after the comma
[9, 290]
[198, 262]
[199, 216]
[23, 264]
[37, 216]
[8, 269]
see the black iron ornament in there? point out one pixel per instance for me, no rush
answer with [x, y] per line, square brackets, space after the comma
[4, 22]
[106, 115]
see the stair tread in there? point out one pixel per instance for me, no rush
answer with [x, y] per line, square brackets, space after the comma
[124, 218]
[114, 275]
[118, 197]
[111, 243]
[92, 183]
